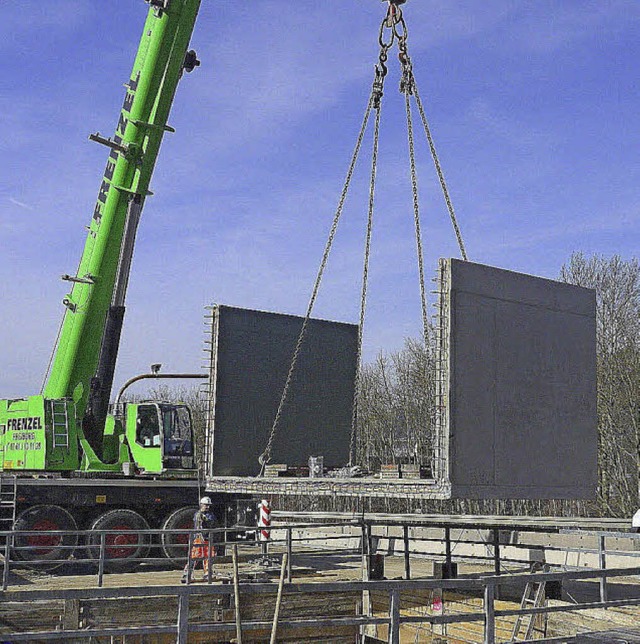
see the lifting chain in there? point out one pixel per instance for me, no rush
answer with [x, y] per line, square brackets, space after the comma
[374, 103]
[409, 88]
[393, 29]
[407, 83]
[443, 184]
[378, 93]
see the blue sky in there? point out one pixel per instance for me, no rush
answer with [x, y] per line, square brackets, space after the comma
[534, 107]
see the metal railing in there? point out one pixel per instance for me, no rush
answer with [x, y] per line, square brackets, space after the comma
[486, 586]
[102, 551]
[106, 552]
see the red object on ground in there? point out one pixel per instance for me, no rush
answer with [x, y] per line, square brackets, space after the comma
[200, 552]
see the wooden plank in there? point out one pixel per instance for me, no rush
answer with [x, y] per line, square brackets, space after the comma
[276, 612]
[236, 595]
[183, 619]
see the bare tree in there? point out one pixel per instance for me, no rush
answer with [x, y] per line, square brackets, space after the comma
[617, 285]
[396, 408]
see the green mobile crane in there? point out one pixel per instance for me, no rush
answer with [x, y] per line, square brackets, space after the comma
[76, 464]
[67, 428]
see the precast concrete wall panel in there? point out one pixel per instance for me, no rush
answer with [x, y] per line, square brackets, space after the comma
[521, 385]
[251, 356]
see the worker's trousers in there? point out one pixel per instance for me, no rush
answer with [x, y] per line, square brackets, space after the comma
[201, 552]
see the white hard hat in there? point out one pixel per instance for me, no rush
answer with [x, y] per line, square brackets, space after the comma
[205, 500]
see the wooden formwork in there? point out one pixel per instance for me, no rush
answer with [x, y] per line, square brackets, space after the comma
[74, 615]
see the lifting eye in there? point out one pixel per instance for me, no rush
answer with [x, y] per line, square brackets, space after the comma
[69, 304]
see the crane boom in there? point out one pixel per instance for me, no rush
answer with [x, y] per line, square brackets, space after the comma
[85, 356]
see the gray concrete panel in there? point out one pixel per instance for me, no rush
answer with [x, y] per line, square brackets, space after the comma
[251, 358]
[522, 386]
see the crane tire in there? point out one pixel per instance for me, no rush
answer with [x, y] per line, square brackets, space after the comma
[124, 550]
[53, 550]
[174, 546]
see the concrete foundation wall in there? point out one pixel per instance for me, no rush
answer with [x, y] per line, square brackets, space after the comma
[521, 385]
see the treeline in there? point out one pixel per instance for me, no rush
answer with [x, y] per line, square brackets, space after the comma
[617, 284]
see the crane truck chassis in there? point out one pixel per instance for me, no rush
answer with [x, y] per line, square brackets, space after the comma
[66, 463]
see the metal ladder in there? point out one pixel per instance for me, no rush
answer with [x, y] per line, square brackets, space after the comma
[60, 423]
[534, 597]
[8, 495]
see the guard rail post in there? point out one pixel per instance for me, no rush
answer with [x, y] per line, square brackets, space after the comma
[289, 554]
[365, 553]
[8, 545]
[183, 618]
[189, 552]
[496, 550]
[489, 612]
[210, 548]
[103, 541]
[602, 559]
[407, 559]
[394, 617]
[447, 552]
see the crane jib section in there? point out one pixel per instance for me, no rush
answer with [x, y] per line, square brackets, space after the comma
[121, 129]
[106, 259]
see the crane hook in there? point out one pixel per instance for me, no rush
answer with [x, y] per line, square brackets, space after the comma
[394, 13]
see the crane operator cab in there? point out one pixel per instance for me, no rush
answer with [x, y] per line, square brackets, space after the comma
[160, 436]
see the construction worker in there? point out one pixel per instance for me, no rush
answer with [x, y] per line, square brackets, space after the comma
[201, 551]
